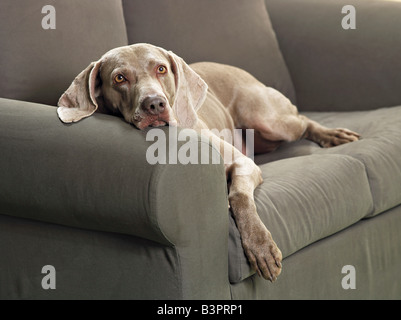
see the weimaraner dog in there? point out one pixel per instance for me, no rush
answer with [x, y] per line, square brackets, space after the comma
[149, 86]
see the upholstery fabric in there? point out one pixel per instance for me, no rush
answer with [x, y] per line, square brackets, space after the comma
[360, 181]
[379, 149]
[371, 246]
[89, 186]
[38, 64]
[305, 199]
[95, 174]
[88, 264]
[335, 69]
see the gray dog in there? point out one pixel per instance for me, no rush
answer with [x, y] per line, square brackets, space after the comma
[150, 86]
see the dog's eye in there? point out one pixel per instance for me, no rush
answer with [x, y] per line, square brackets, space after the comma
[161, 69]
[119, 79]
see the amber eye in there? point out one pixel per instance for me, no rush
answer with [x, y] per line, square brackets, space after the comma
[119, 79]
[161, 69]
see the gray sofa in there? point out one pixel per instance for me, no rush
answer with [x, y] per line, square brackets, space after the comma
[83, 199]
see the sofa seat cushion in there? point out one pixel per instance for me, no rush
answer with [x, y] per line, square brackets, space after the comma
[303, 200]
[379, 150]
[310, 192]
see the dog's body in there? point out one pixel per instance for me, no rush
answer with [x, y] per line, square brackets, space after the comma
[149, 86]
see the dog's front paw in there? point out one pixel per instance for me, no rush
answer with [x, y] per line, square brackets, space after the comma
[262, 252]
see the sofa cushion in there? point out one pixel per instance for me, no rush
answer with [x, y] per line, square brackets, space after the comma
[39, 64]
[367, 182]
[303, 200]
[379, 149]
[335, 69]
[97, 174]
[235, 32]
[371, 187]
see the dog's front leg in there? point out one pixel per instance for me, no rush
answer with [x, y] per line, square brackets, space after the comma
[261, 250]
[244, 176]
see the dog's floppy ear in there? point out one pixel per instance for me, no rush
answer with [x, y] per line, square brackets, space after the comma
[79, 100]
[190, 93]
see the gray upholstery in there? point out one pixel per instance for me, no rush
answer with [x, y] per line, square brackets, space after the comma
[315, 272]
[296, 200]
[94, 175]
[117, 263]
[297, 203]
[38, 65]
[379, 150]
[340, 69]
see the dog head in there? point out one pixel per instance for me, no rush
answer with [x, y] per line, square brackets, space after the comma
[145, 84]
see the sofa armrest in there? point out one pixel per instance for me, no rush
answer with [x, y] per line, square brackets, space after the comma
[94, 174]
[334, 69]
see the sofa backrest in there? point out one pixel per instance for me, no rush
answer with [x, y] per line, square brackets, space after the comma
[38, 64]
[337, 69]
[235, 32]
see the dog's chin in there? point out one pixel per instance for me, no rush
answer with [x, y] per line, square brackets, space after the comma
[154, 123]
[158, 123]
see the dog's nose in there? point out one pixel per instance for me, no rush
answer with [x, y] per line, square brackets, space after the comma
[154, 105]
